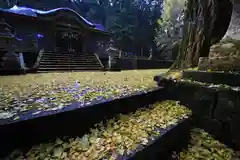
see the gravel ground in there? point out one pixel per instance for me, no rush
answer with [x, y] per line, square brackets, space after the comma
[117, 138]
[52, 91]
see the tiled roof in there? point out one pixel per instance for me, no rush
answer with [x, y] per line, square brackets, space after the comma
[35, 13]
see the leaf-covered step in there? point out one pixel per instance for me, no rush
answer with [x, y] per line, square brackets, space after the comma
[227, 78]
[65, 87]
[57, 122]
[215, 107]
[204, 146]
[119, 137]
[176, 79]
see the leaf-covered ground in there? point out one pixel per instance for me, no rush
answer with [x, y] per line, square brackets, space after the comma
[53, 91]
[203, 146]
[120, 136]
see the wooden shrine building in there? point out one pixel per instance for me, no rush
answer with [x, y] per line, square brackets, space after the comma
[60, 31]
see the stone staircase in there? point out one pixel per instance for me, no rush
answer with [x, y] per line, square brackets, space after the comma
[215, 114]
[51, 61]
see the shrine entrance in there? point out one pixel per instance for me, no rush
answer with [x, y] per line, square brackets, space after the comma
[69, 42]
[76, 44]
[61, 43]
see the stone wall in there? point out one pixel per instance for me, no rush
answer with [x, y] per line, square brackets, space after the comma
[129, 64]
[10, 63]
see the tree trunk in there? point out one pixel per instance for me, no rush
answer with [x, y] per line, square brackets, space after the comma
[200, 16]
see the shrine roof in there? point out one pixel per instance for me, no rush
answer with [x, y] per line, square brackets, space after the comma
[26, 11]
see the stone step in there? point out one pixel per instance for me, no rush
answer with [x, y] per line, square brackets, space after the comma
[52, 61]
[68, 54]
[70, 57]
[66, 61]
[59, 62]
[66, 57]
[70, 65]
[65, 53]
[213, 77]
[48, 126]
[67, 64]
[67, 69]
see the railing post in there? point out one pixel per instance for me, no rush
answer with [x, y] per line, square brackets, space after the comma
[109, 61]
[120, 54]
[21, 59]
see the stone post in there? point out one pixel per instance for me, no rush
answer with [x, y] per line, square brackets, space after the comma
[21, 59]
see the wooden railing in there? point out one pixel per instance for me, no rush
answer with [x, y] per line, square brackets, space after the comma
[100, 62]
[39, 57]
[126, 55]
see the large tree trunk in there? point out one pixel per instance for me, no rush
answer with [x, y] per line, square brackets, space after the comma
[200, 16]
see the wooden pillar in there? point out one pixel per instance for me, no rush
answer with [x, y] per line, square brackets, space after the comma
[54, 40]
[84, 43]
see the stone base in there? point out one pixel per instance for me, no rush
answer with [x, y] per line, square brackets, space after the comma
[219, 64]
[11, 64]
[223, 56]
